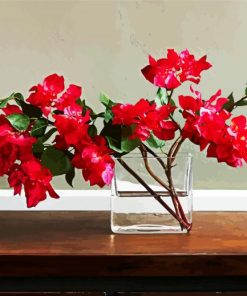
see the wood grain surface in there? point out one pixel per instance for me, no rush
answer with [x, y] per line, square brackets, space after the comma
[81, 244]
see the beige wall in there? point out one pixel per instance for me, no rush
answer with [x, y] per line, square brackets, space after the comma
[102, 45]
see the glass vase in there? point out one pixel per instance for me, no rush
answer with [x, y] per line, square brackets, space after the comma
[152, 194]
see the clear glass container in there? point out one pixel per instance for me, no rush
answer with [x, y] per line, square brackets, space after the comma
[147, 194]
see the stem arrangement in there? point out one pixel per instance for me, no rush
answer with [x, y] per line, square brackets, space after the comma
[184, 224]
[178, 212]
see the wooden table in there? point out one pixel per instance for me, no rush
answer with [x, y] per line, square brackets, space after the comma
[76, 251]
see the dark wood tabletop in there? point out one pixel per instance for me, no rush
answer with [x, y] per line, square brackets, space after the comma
[82, 244]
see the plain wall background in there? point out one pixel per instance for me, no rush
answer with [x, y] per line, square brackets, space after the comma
[102, 45]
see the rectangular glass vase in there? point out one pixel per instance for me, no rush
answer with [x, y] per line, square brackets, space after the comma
[134, 209]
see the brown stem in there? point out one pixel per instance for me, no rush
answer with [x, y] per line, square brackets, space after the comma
[156, 178]
[154, 194]
[155, 155]
[170, 159]
[173, 151]
[144, 156]
[172, 119]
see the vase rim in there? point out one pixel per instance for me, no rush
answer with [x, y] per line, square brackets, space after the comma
[187, 155]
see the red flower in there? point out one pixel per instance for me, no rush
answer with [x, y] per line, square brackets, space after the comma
[69, 97]
[206, 126]
[46, 95]
[21, 167]
[127, 114]
[95, 161]
[8, 156]
[36, 181]
[14, 146]
[175, 69]
[43, 95]
[190, 68]
[190, 103]
[53, 84]
[146, 118]
[238, 130]
[73, 127]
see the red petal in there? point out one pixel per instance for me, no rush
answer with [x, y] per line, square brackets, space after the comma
[189, 103]
[54, 83]
[171, 81]
[152, 61]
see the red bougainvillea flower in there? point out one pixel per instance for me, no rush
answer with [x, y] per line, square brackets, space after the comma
[95, 161]
[205, 120]
[146, 117]
[127, 114]
[73, 127]
[69, 97]
[8, 156]
[43, 95]
[14, 145]
[20, 165]
[175, 69]
[8, 151]
[206, 125]
[238, 131]
[35, 179]
[48, 94]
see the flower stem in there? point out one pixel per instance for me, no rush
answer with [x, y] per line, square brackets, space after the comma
[168, 170]
[157, 179]
[154, 194]
[170, 159]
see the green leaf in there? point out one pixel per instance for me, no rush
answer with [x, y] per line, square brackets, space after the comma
[48, 134]
[230, 104]
[128, 144]
[92, 131]
[154, 142]
[85, 107]
[113, 135]
[19, 121]
[94, 116]
[69, 176]
[172, 102]
[56, 161]
[79, 102]
[161, 97]
[3, 103]
[231, 98]
[242, 103]
[118, 138]
[106, 101]
[38, 148]
[57, 112]
[246, 91]
[39, 127]
[108, 115]
[114, 144]
[30, 110]
[18, 96]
